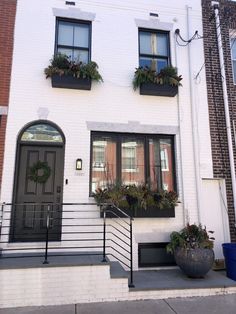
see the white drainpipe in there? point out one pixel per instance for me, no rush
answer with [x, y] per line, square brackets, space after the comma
[194, 123]
[185, 210]
[226, 102]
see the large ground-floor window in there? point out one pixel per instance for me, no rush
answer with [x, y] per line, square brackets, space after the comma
[132, 159]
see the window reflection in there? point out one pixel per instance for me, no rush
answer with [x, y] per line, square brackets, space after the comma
[132, 161]
[166, 164]
[41, 133]
[103, 163]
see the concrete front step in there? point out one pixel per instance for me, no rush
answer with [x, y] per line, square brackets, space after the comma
[79, 279]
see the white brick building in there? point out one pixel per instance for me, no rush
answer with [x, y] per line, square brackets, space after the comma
[116, 32]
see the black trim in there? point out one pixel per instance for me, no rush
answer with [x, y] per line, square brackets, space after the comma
[148, 30]
[150, 212]
[71, 82]
[152, 89]
[41, 121]
[118, 137]
[73, 21]
[17, 159]
[170, 261]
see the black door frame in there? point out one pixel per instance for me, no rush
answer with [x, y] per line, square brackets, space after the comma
[17, 159]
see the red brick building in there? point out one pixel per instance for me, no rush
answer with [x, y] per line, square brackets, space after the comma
[7, 21]
[218, 129]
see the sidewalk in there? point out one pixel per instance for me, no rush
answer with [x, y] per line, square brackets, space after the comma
[223, 304]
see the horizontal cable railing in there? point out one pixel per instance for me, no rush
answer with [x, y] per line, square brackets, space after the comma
[71, 229]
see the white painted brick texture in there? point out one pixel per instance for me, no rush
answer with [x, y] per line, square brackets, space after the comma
[115, 49]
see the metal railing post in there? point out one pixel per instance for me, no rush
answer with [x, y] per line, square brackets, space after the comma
[1, 214]
[104, 234]
[131, 284]
[47, 230]
[1, 222]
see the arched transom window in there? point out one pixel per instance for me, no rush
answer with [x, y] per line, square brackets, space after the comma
[41, 132]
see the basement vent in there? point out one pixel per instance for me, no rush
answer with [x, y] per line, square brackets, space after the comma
[154, 254]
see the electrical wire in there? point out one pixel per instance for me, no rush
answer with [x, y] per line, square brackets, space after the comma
[202, 67]
[185, 42]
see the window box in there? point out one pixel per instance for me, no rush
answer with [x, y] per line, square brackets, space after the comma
[69, 81]
[150, 212]
[153, 89]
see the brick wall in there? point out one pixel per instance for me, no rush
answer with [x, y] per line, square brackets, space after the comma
[221, 165]
[7, 20]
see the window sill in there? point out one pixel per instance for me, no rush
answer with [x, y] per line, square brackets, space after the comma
[152, 89]
[71, 82]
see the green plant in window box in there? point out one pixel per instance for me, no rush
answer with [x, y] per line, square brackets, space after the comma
[133, 198]
[62, 65]
[166, 199]
[150, 82]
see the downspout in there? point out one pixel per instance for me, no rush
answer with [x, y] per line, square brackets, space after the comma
[194, 123]
[185, 218]
[215, 5]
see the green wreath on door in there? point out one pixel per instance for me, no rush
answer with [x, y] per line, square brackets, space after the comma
[33, 172]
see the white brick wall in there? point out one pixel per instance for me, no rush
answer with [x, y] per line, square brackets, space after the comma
[115, 49]
[70, 285]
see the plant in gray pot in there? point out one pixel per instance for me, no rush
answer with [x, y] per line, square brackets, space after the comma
[193, 250]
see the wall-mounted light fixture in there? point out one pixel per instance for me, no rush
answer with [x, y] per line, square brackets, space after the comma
[78, 164]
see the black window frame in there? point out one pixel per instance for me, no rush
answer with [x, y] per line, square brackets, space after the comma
[73, 21]
[232, 40]
[154, 31]
[159, 246]
[118, 137]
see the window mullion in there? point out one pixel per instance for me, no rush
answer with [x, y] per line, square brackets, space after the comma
[147, 161]
[159, 183]
[73, 43]
[118, 159]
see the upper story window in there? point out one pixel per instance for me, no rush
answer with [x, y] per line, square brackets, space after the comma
[154, 49]
[233, 54]
[73, 39]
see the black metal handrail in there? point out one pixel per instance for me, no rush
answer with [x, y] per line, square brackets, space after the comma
[112, 234]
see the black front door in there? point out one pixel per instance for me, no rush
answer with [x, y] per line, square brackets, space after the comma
[34, 199]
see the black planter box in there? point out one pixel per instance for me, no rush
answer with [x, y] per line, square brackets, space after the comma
[152, 89]
[68, 81]
[112, 212]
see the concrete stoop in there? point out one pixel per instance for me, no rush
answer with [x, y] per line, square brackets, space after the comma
[27, 282]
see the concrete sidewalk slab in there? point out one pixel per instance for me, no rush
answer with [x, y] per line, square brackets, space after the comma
[59, 309]
[129, 307]
[221, 304]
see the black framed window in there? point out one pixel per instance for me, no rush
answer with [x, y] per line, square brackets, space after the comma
[233, 56]
[132, 159]
[73, 39]
[154, 49]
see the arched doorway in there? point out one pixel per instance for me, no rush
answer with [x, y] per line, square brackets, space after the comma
[38, 182]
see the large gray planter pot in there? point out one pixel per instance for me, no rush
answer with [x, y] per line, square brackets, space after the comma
[195, 263]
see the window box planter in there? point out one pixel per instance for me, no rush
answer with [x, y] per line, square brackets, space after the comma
[71, 82]
[153, 89]
[141, 213]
